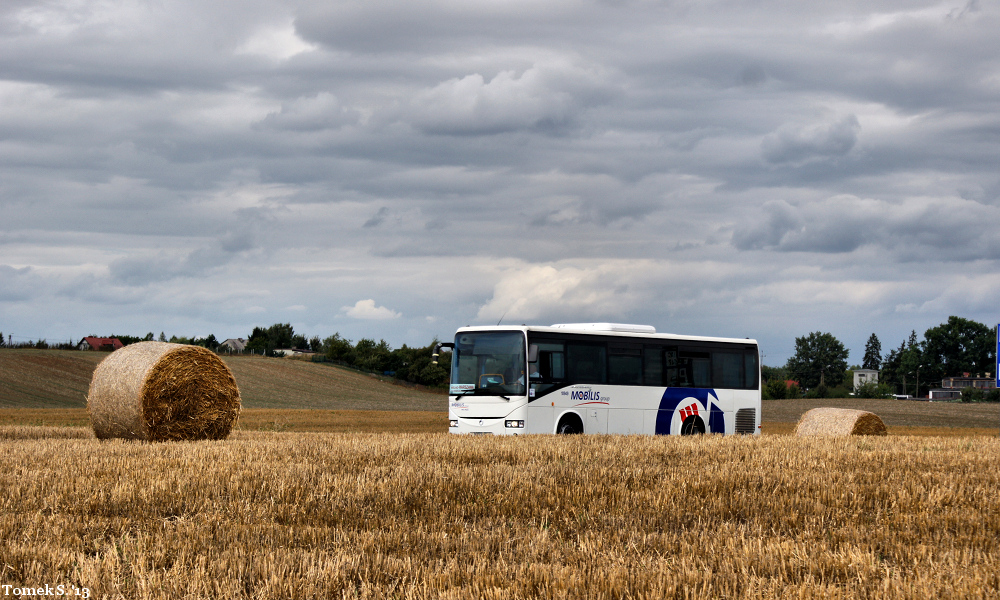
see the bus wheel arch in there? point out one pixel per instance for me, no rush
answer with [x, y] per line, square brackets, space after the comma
[693, 425]
[570, 423]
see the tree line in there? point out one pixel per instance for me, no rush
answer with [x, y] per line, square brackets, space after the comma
[953, 348]
[408, 364]
[819, 365]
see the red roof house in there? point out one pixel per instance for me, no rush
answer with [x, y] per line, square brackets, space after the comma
[96, 343]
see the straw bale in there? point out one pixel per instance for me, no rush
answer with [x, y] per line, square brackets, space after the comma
[840, 421]
[156, 391]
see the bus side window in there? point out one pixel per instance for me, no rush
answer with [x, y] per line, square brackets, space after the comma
[586, 363]
[557, 365]
[727, 370]
[701, 367]
[624, 364]
[694, 369]
[652, 359]
[551, 365]
[677, 370]
[751, 370]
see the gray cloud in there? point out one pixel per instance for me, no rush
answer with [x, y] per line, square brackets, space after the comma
[544, 97]
[15, 284]
[791, 143]
[207, 167]
[316, 113]
[952, 229]
[378, 218]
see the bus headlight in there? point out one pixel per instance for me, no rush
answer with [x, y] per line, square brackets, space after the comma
[452, 423]
[514, 424]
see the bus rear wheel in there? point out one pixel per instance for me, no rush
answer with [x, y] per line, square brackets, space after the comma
[570, 424]
[692, 425]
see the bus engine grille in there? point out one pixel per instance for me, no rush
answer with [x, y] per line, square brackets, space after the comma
[746, 420]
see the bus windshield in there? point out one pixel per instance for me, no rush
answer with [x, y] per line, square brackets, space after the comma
[488, 363]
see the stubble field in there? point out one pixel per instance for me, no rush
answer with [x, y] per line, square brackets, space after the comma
[377, 515]
[342, 501]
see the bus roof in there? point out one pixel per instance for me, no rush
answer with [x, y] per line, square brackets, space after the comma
[607, 329]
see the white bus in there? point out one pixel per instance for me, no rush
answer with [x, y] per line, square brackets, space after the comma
[601, 378]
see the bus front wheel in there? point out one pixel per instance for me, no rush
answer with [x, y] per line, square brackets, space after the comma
[570, 424]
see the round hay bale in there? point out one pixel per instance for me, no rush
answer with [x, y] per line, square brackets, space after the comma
[840, 421]
[155, 391]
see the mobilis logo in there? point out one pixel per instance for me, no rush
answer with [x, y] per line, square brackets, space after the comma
[586, 395]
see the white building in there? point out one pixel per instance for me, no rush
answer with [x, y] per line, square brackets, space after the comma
[863, 376]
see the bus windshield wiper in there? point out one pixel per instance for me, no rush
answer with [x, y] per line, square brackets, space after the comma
[474, 393]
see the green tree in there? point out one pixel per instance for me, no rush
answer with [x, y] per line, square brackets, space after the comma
[955, 347]
[775, 389]
[299, 342]
[372, 356]
[258, 342]
[266, 341]
[433, 374]
[973, 394]
[873, 354]
[771, 373]
[281, 335]
[870, 389]
[211, 342]
[339, 349]
[900, 366]
[817, 357]
[911, 360]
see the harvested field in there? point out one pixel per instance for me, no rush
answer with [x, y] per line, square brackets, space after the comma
[285, 383]
[264, 419]
[784, 428]
[46, 378]
[328, 421]
[61, 378]
[343, 421]
[894, 413]
[265, 515]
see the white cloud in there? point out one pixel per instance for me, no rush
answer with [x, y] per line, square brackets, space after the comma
[546, 95]
[366, 309]
[319, 112]
[276, 42]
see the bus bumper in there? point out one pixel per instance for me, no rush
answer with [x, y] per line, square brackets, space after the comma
[486, 426]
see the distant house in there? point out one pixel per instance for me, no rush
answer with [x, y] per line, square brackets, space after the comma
[968, 380]
[951, 387]
[97, 343]
[233, 345]
[863, 376]
[290, 352]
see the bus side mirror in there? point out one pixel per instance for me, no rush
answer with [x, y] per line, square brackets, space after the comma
[533, 353]
[437, 350]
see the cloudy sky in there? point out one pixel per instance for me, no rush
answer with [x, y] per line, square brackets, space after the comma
[398, 169]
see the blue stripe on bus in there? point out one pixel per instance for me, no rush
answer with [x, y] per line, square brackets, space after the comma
[673, 397]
